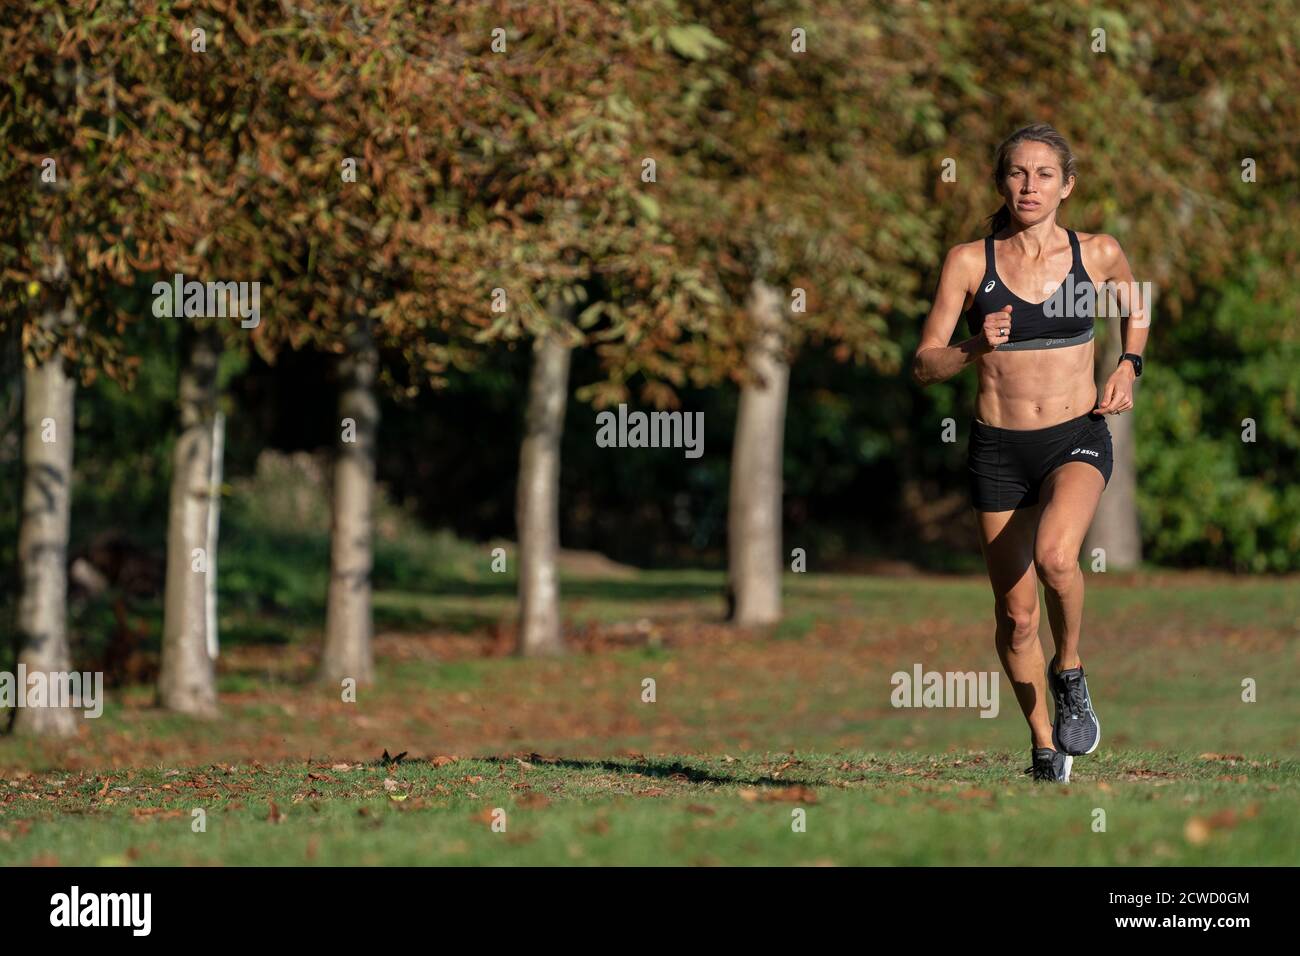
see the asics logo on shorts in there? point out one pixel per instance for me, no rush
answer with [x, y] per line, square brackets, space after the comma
[1086, 451]
[989, 287]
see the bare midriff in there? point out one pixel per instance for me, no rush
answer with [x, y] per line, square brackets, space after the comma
[1035, 388]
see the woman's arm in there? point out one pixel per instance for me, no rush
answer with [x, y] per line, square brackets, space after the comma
[935, 359]
[1118, 394]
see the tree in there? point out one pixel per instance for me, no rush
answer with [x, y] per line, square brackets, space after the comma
[187, 681]
[754, 516]
[49, 428]
[197, 226]
[777, 136]
[538, 495]
[354, 149]
[349, 623]
[554, 214]
[64, 181]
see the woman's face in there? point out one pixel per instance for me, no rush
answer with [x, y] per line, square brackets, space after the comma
[1033, 186]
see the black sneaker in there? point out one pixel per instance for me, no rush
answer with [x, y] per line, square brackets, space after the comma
[1050, 765]
[1076, 729]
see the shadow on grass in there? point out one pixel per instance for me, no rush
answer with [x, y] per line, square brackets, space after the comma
[581, 588]
[643, 768]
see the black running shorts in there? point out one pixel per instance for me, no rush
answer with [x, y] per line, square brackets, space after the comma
[1007, 466]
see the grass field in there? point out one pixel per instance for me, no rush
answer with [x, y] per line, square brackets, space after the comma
[747, 728]
[858, 809]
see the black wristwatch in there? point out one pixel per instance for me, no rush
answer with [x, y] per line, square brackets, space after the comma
[1136, 360]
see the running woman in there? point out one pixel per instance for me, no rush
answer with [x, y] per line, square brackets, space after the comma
[1039, 454]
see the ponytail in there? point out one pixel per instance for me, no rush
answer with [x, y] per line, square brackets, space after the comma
[999, 220]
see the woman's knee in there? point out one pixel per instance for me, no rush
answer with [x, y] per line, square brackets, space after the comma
[1017, 621]
[1056, 565]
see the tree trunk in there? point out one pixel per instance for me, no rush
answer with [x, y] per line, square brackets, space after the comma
[48, 428]
[348, 615]
[187, 681]
[1115, 527]
[11, 465]
[754, 513]
[214, 527]
[537, 504]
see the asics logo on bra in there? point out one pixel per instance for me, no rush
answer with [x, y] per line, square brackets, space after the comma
[1086, 451]
[989, 287]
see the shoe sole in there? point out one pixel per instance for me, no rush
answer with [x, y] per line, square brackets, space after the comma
[1055, 740]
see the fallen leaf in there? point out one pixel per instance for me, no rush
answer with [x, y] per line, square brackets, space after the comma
[1223, 820]
[795, 794]
[1197, 831]
[155, 812]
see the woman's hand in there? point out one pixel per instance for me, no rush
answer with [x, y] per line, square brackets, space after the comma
[1118, 395]
[997, 327]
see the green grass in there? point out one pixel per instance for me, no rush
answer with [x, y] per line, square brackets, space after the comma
[746, 726]
[857, 809]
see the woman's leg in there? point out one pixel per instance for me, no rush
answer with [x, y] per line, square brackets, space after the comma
[1007, 540]
[1068, 500]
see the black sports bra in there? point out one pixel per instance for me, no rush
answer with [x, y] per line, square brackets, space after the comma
[1064, 318]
